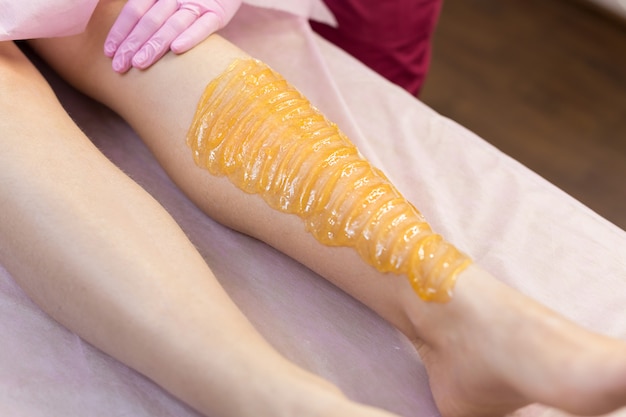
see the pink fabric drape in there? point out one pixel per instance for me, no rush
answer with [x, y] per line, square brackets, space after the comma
[27, 19]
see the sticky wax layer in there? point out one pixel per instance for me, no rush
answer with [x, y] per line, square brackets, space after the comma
[261, 133]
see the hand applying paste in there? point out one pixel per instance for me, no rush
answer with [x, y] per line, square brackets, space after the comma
[146, 29]
[254, 128]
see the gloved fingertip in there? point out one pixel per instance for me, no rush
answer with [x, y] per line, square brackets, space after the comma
[180, 45]
[141, 60]
[119, 65]
[110, 48]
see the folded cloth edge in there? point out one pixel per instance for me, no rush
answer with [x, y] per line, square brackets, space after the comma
[43, 19]
[310, 9]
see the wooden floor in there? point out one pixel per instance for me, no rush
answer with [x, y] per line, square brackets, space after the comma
[545, 82]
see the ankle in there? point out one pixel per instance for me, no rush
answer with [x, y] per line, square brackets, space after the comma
[433, 323]
[308, 396]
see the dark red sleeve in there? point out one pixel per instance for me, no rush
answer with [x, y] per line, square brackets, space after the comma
[391, 37]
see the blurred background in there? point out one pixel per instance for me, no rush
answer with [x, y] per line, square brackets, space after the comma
[545, 82]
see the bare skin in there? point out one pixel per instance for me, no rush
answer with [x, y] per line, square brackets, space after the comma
[476, 365]
[121, 273]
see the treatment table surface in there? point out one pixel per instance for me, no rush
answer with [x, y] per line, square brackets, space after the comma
[514, 223]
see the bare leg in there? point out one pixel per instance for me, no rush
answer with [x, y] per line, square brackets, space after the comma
[475, 366]
[101, 256]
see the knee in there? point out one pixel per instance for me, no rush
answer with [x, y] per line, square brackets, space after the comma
[9, 55]
[12, 60]
[18, 76]
[11, 63]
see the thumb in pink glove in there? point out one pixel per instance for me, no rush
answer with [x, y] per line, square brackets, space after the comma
[146, 29]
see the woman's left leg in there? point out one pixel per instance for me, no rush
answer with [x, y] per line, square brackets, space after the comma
[100, 255]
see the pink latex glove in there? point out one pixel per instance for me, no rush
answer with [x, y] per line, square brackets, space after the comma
[146, 29]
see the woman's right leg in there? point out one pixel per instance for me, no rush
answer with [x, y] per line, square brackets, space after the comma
[475, 366]
[97, 253]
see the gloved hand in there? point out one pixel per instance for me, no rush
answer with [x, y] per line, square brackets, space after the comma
[146, 29]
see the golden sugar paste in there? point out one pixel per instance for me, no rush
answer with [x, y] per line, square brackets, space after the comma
[261, 133]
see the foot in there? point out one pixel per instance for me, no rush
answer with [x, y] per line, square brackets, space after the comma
[491, 350]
